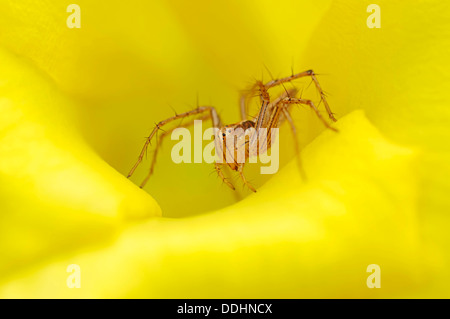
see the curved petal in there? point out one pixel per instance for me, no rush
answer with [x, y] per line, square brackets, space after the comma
[370, 198]
[128, 61]
[399, 74]
[289, 240]
[56, 193]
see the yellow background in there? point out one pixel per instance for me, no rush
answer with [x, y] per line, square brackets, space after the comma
[76, 105]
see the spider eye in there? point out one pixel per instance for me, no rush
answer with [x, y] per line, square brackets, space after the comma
[223, 134]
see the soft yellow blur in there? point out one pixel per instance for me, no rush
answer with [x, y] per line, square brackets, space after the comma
[76, 105]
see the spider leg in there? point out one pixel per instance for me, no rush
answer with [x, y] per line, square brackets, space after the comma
[296, 143]
[244, 100]
[311, 104]
[310, 73]
[260, 120]
[241, 173]
[274, 109]
[158, 145]
[247, 95]
[224, 179]
[279, 106]
[276, 103]
[203, 109]
[270, 120]
[293, 129]
[265, 102]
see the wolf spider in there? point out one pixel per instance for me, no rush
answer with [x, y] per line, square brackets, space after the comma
[271, 115]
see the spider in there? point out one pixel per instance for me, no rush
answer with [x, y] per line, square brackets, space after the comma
[271, 115]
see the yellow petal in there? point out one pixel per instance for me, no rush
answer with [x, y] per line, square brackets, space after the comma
[130, 63]
[400, 75]
[369, 198]
[288, 240]
[56, 193]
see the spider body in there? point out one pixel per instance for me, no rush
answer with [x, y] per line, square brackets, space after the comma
[236, 143]
[238, 136]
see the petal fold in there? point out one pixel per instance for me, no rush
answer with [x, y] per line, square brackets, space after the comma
[291, 239]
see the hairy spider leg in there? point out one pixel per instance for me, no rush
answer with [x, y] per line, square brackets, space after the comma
[296, 142]
[310, 73]
[272, 121]
[241, 174]
[159, 143]
[311, 104]
[268, 121]
[244, 100]
[203, 109]
[220, 174]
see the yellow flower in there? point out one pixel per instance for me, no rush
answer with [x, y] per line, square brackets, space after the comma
[75, 105]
